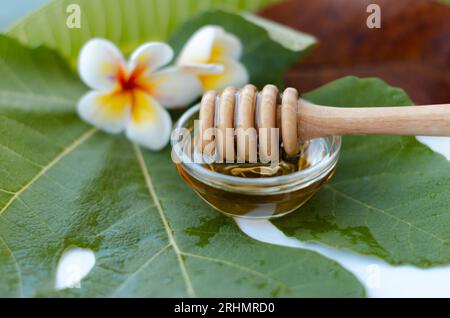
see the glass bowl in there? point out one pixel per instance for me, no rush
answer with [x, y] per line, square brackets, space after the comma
[256, 198]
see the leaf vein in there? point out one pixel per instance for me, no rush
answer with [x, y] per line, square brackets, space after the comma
[19, 272]
[240, 267]
[122, 220]
[47, 167]
[370, 207]
[140, 269]
[20, 156]
[36, 97]
[173, 243]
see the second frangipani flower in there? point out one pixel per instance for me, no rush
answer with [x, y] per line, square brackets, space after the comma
[213, 55]
[130, 96]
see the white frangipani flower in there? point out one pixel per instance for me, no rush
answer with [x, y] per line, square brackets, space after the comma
[214, 55]
[130, 96]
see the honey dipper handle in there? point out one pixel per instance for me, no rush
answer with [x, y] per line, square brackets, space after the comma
[321, 121]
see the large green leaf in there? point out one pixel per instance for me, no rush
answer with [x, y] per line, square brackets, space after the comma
[390, 196]
[64, 184]
[127, 23]
[268, 49]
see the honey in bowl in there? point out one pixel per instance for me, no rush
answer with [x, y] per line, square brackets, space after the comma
[241, 126]
[256, 190]
[285, 166]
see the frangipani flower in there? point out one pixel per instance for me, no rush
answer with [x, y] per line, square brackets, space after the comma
[130, 96]
[214, 55]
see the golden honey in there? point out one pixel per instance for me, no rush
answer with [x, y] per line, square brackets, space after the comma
[256, 190]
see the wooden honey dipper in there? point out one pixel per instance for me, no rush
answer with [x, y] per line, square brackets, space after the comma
[300, 120]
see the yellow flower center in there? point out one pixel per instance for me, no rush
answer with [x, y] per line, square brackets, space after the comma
[132, 90]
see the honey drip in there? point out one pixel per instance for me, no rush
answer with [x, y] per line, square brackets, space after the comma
[285, 166]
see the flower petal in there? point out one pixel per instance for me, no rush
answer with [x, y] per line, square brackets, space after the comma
[109, 112]
[198, 48]
[226, 46]
[99, 64]
[201, 69]
[173, 87]
[234, 75]
[150, 124]
[150, 57]
[210, 44]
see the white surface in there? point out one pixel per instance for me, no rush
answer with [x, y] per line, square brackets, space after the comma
[74, 265]
[437, 144]
[379, 278]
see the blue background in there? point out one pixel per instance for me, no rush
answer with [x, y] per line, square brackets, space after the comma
[13, 10]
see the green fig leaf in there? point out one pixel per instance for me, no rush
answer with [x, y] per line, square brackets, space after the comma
[390, 195]
[64, 184]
